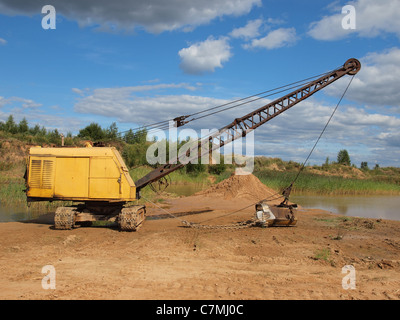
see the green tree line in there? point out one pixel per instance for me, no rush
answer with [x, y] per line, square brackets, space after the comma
[22, 130]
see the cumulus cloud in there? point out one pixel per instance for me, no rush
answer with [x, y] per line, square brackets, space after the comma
[130, 105]
[390, 138]
[205, 56]
[275, 39]
[250, 30]
[153, 15]
[142, 110]
[373, 18]
[377, 83]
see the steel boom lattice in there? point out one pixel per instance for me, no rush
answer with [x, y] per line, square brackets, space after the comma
[240, 127]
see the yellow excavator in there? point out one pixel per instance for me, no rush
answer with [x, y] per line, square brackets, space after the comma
[98, 181]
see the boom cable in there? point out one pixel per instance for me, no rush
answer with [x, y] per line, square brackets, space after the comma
[260, 95]
[162, 125]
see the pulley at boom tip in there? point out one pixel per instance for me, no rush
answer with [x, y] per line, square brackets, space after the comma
[352, 64]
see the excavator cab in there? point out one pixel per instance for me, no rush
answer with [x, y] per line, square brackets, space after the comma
[96, 178]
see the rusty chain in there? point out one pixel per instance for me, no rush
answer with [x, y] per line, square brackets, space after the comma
[232, 226]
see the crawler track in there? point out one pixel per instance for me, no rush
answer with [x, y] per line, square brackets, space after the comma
[64, 218]
[131, 218]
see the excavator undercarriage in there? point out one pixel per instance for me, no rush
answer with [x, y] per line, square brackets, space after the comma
[128, 218]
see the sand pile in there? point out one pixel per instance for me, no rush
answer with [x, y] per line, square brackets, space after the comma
[239, 186]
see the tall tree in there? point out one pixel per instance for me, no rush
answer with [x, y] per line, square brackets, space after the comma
[92, 131]
[23, 126]
[112, 131]
[364, 165]
[10, 125]
[343, 157]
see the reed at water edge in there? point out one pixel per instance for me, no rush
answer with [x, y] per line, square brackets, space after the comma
[311, 183]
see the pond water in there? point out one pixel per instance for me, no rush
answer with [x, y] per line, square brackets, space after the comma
[385, 207]
[8, 214]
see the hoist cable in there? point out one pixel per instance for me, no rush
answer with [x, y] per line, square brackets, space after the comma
[322, 132]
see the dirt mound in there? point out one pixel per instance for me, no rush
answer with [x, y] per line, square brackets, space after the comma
[239, 186]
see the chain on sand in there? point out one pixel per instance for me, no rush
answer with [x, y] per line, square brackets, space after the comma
[233, 226]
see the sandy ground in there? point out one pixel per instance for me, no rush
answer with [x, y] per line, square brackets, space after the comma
[164, 260]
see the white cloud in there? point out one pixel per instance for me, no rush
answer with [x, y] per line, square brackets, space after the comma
[292, 134]
[275, 39]
[250, 30]
[275, 21]
[24, 103]
[205, 56]
[35, 114]
[153, 15]
[129, 105]
[3, 41]
[141, 110]
[373, 18]
[3, 101]
[289, 136]
[377, 83]
[390, 138]
[78, 91]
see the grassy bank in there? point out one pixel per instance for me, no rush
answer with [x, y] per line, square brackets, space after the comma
[11, 191]
[12, 194]
[327, 179]
[311, 183]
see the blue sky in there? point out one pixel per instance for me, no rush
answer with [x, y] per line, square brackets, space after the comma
[139, 62]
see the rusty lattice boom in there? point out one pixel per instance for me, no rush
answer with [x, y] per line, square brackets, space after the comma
[240, 127]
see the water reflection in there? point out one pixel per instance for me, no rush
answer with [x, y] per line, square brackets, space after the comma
[12, 214]
[19, 213]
